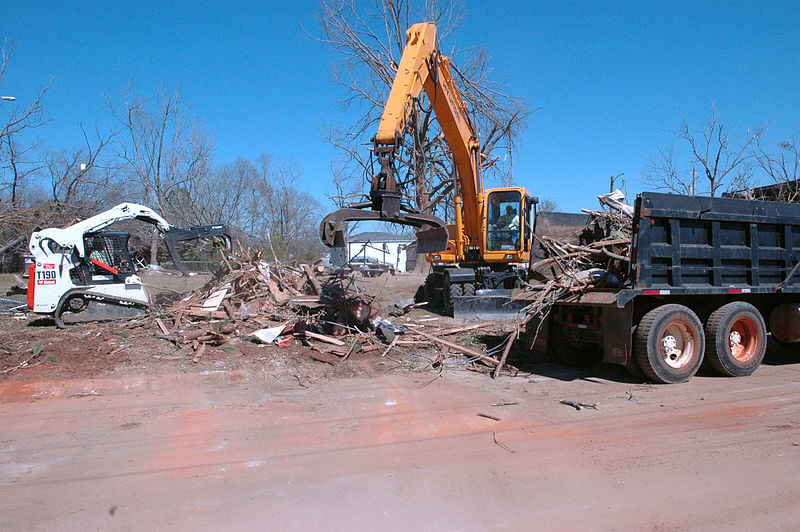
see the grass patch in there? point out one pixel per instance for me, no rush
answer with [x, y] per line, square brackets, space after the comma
[7, 349]
[37, 348]
[229, 349]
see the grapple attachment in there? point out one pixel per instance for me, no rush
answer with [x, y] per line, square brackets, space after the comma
[176, 234]
[384, 206]
[431, 231]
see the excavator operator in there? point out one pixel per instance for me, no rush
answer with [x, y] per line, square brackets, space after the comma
[510, 220]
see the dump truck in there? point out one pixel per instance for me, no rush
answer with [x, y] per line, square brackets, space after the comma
[708, 279]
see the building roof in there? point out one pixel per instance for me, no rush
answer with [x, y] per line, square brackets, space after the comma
[376, 236]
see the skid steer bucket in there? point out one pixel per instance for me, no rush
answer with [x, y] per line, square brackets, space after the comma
[431, 231]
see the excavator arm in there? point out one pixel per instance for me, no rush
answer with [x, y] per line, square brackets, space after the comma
[422, 66]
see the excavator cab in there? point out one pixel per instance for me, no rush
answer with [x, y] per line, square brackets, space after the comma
[509, 224]
[503, 220]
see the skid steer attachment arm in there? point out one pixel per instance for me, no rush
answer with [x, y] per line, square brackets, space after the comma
[176, 234]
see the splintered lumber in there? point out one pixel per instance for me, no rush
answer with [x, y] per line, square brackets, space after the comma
[199, 354]
[506, 351]
[312, 279]
[191, 335]
[199, 313]
[460, 348]
[177, 323]
[456, 330]
[279, 295]
[368, 348]
[324, 338]
[162, 326]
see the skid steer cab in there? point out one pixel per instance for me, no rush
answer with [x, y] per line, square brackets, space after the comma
[81, 273]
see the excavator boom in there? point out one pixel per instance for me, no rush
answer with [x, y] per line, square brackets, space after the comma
[422, 66]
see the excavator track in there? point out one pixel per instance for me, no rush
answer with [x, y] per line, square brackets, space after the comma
[82, 306]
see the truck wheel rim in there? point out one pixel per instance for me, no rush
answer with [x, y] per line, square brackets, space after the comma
[743, 339]
[677, 345]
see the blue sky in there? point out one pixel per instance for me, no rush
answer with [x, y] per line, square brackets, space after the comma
[610, 78]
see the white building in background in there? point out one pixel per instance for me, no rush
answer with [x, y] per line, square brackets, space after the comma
[371, 247]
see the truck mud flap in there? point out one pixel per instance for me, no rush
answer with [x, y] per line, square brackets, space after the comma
[488, 305]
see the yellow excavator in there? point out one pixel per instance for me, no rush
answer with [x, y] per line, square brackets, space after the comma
[484, 254]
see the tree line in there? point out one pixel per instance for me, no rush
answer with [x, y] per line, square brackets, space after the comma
[156, 152]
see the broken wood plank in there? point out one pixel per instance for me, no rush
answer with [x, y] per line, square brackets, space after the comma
[279, 295]
[460, 348]
[390, 346]
[368, 348]
[213, 302]
[456, 330]
[226, 306]
[191, 335]
[177, 323]
[511, 337]
[324, 338]
[199, 313]
[199, 354]
[162, 326]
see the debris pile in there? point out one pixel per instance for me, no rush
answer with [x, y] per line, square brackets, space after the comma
[596, 257]
[322, 311]
[267, 303]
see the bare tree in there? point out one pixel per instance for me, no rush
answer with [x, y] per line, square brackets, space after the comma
[288, 214]
[547, 205]
[782, 168]
[28, 116]
[81, 176]
[712, 159]
[20, 161]
[369, 38]
[17, 152]
[163, 146]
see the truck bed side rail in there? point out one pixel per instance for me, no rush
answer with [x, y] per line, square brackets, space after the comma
[692, 244]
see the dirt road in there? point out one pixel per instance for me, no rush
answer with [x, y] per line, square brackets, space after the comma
[236, 450]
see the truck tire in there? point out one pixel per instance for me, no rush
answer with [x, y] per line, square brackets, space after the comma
[669, 344]
[469, 289]
[454, 291]
[736, 339]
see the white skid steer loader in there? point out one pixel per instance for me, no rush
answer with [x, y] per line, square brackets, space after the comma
[82, 274]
